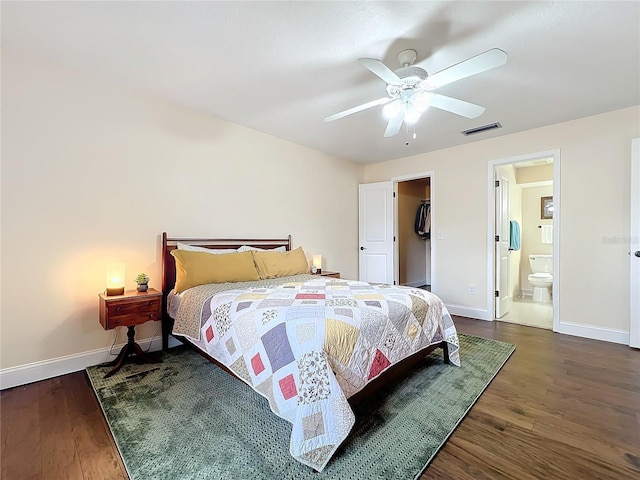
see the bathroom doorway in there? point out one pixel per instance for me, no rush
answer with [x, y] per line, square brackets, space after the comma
[524, 223]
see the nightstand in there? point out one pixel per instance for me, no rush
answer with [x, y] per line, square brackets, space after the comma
[326, 273]
[128, 310]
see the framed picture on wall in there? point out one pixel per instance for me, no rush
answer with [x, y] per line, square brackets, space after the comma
[546, 207]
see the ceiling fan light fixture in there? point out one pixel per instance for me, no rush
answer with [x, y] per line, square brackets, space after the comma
[421, 101]
[391, 110]
[417, 104]
[411, 116]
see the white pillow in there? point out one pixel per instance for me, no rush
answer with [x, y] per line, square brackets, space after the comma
[193, 248]
[247, 248]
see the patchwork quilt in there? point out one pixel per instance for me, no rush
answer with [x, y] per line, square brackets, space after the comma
[309, 345]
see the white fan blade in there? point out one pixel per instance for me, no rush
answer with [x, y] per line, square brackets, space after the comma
[453, 105]
[395, 123]
[480, 63]
[359, 108]
[381, 70]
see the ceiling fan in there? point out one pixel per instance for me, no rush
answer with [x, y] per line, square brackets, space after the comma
[410, 90]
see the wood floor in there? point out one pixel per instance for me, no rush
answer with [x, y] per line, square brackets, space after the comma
[561, 408]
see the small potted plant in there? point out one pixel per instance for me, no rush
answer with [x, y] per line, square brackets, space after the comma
[143, 282]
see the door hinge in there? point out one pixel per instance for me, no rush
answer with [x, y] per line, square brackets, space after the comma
[394, 282]
[394, 238]
[497, 183]
[497, 238]
[497, 294]
[394, 194]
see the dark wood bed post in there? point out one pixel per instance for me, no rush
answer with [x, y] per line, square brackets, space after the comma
[445, 352]
[167, 321]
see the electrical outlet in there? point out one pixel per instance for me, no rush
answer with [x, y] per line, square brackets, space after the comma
[440, 235]
[471, 289]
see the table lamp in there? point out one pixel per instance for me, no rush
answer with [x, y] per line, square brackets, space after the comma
[115, 278]
[317, 263]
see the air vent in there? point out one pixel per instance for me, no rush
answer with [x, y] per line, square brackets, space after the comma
[484, 128]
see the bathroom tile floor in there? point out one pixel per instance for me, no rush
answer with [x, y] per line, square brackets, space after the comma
[525, 311]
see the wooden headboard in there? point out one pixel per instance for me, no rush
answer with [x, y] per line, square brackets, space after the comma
[169, 265]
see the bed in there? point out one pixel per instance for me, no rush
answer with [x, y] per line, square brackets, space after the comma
[312, 346]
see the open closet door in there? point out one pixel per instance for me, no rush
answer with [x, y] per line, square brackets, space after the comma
[376, 254]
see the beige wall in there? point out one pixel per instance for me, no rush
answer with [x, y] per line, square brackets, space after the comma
[535, 173]
[92, 172]
[595, 157]
[531, 234]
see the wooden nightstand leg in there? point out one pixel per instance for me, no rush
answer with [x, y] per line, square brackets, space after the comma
[143, 356]
[119, 361]
[130, 348]
[114, 362]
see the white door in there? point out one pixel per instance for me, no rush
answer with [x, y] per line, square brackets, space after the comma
[375, 231]
[503, 297]
[634, 257]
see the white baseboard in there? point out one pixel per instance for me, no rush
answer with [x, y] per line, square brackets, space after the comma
[594, 333]
[477, 313]
[34, 372]
[575, 329]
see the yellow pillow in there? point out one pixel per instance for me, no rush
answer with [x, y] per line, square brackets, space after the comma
[200, 268]
[272, 264]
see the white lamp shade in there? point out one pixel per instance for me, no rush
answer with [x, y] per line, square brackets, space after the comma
[317, 261]
[115, 278]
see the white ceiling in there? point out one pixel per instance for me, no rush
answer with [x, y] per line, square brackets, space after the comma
[281, 67]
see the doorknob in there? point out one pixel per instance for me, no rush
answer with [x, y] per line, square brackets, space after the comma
[362, 248]
[637, 253]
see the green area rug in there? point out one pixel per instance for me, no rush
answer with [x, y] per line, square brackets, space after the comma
[187, 419]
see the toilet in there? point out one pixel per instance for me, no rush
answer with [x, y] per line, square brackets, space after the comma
[541, 278]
